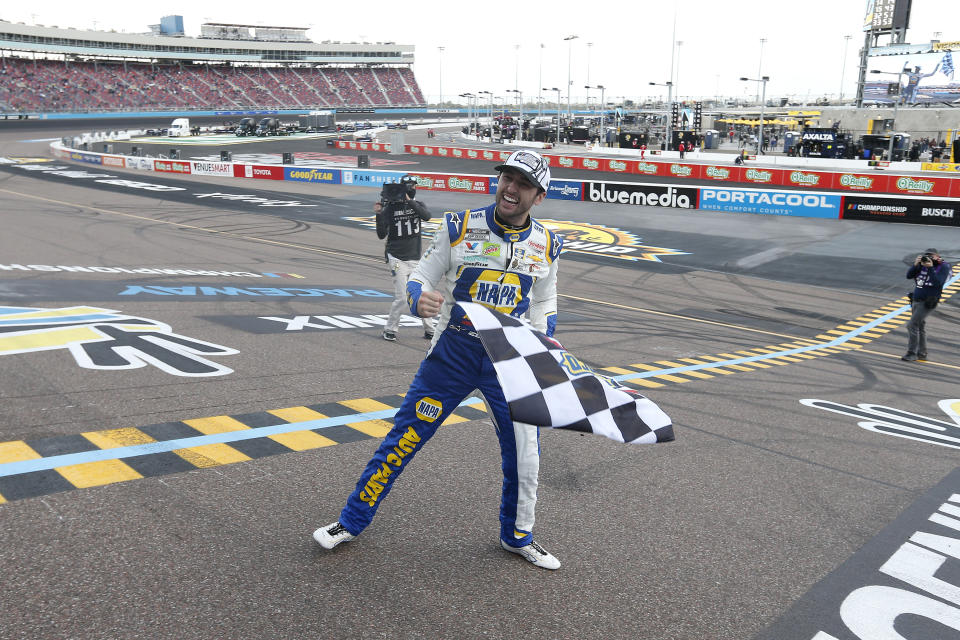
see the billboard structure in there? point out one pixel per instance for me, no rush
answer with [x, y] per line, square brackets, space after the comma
[926, 78]
[882, 18]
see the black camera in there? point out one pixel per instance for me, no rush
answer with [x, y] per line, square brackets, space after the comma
[398, 191]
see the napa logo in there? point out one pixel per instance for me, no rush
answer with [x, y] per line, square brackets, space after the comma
[491, 292]
[429, 409]
[108, 340]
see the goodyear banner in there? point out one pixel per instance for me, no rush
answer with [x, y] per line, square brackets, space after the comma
[304, 174]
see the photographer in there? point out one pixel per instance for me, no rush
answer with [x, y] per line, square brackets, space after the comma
[398, 220]
[930, 272]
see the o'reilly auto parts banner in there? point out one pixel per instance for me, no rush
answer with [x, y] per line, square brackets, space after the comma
[913, 210]
[774, 203]
[642, 195]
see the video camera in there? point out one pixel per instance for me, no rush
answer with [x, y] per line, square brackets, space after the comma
[398, 191]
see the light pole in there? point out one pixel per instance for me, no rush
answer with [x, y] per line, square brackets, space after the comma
[540, 83]
[760, 66]
[440, 59]
[676, 80]
[763, 100]
[519, 107]
[569, 40]
[557, 89]
[843, 68]
[589, 47]
[669, 85]
[491, 111]
[896, 104]
[469, 96]
[602, 108]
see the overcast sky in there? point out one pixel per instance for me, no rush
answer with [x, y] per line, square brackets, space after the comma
[621, 44]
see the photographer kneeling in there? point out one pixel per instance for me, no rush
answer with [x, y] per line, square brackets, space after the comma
[398, 220]
[929, 272]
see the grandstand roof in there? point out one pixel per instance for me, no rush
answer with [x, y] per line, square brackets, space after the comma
[108, 44]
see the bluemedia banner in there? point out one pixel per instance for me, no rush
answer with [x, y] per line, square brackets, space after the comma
[305, 174]
[774, 203]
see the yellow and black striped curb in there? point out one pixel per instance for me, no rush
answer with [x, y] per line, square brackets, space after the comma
[114, 469]
[351, 420]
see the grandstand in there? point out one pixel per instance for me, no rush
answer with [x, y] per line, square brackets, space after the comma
[49, 69]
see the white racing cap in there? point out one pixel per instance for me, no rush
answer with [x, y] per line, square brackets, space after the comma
[531, 164]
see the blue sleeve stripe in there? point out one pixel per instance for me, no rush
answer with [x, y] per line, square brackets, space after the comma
[414, 289]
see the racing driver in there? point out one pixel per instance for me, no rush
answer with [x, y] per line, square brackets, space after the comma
[501, 258]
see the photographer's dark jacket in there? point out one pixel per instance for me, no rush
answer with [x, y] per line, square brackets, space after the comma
[929, 280]
[399, 223]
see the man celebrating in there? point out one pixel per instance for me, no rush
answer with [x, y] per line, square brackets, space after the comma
[399, 215]
[501, 258]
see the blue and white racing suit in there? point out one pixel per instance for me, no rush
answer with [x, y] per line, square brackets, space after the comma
[473, 258]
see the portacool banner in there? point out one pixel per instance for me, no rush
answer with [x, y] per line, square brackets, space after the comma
[775, 203]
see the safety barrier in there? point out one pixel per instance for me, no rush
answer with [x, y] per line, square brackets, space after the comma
[854, 182]
[908, 207]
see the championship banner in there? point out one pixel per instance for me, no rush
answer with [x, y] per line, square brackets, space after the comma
[547, 386]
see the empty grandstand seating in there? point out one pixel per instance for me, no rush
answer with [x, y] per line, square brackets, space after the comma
[48, 85]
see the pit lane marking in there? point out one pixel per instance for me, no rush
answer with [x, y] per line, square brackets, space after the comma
[117, 455]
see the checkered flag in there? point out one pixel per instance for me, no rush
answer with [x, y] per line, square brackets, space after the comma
[547, 386]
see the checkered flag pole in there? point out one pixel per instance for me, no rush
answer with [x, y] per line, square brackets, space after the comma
[546, 385]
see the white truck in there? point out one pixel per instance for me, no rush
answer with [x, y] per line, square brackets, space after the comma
[179, 127]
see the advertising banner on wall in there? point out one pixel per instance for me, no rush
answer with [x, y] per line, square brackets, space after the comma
[204, 168]
[304, 174]
[563, 190]
[564, 162]
[920, 186]
[644, 168]
[369, 178]
[762, 176]
[91, 158]
[860, 182]
[911, 210]
[262, 172]
[113, 161]
[171, 166]
[812, 179]
[448, 182]
[642, 195]
[774, 203]
[139, 163]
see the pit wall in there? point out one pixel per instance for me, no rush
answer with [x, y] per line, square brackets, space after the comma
[905, 208]
[854, 182]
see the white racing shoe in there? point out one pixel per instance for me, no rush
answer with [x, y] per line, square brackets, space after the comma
[533, 553]
[333, 534]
